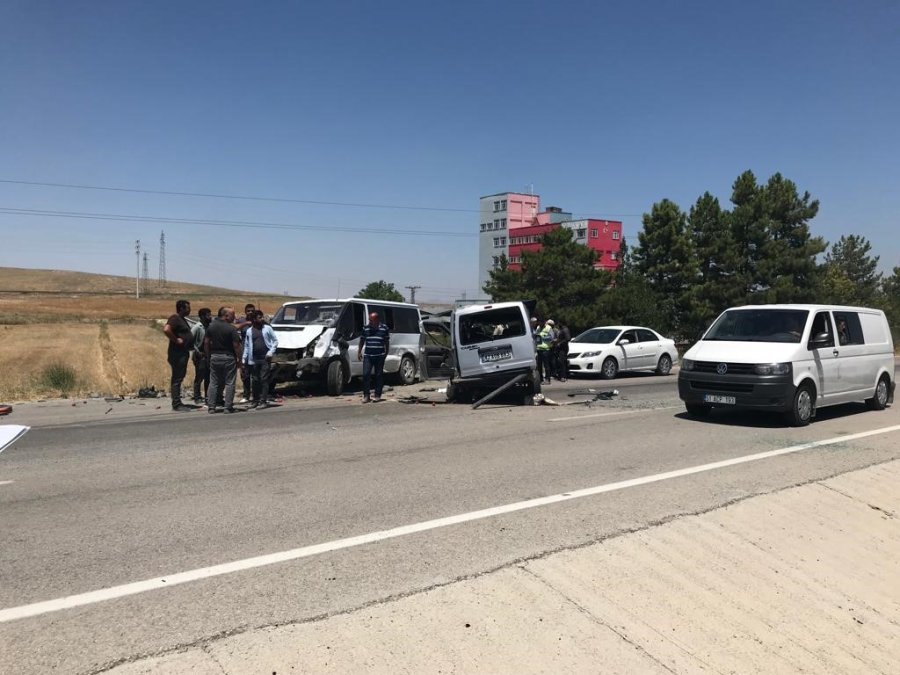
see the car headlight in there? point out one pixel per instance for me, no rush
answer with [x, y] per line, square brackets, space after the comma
[772, 368]
[588, 355]
[687, 364]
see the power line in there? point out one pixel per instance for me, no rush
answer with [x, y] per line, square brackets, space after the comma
[284, 200]
[226, 223]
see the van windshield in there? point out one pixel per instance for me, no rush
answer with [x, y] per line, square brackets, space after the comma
[492, 324]
[759, 325]
[322, 313]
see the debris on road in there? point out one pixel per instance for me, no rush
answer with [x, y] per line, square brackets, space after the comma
[5, 409]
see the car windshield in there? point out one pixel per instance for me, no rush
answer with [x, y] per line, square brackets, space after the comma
[598, 336]
[493, 324]
[759, 325]
[322, 313]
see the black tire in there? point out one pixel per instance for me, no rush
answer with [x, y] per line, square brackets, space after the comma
[609, 369]
[803, 407]
[664, 367]
[406, 374]
[697, 410]
[882, 391]
[334, 382]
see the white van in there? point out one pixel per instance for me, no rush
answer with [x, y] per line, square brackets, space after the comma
[318, 339]
[790, 358]
[491, 345]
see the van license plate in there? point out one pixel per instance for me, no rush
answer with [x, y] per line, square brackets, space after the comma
[715, 398]
[496, 355]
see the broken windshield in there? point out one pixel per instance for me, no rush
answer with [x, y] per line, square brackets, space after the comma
[320, 313]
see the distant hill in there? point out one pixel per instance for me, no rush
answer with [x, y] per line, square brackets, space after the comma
[21, 280]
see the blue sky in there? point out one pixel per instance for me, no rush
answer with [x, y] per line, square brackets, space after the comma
[603, 107]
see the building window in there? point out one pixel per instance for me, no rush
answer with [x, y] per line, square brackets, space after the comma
[615, 234]
[503, 205]
[496, 261]
[580, 232]
[594, 233]
[483, 227]
[496, 242]
[613, 255]
[503, 223]
[503, 241]
[496, 206]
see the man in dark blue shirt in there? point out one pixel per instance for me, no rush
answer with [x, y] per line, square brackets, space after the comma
[375, 341]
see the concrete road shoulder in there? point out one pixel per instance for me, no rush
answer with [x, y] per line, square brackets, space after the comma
[804, 579]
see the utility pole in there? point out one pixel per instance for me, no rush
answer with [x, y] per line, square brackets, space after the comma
[145, 273]
[412, 293]
[162, 259]
[137, 274]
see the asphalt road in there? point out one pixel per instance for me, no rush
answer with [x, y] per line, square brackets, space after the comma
[96, 504]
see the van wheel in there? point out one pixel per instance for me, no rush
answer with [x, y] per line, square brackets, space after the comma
[664, 367]
[697, 410]
[334, 382]
[407, 372]
[456, 394]
[802, 407]
[880, 399]
[609, 369]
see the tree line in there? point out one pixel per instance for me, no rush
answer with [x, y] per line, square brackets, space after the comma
[688, 266]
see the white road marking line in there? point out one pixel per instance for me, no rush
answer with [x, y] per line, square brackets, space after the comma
[113, 592]
[6, 482]
[609, 414]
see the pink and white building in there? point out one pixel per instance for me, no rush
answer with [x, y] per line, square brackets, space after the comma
[512, 222]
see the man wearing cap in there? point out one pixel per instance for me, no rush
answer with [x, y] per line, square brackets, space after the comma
[545, 340]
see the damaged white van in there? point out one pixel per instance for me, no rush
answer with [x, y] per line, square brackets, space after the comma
[493, 345]
[790, 358]
[318, 340]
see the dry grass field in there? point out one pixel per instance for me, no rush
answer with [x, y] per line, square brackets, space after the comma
[73, 333]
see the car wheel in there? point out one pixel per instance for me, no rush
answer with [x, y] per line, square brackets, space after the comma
[407, 372]
[802, 407]
[609, 369]
[664, 367]
[334, 382]
[880, 399]
[697, 410]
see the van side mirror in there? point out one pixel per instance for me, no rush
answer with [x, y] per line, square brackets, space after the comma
[820, 340]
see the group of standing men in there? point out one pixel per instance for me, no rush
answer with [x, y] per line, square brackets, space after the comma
[219, 348]
[552, 346]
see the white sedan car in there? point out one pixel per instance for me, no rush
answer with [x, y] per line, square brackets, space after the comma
[608, 349]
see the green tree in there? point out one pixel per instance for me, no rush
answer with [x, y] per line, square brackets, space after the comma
[777, 254]
[851, 273]
[505, 284]
[665, 257]
[789, 269]
[563, 279]
[380, 290]
[890, 288]
[561, 276]
[718, 285]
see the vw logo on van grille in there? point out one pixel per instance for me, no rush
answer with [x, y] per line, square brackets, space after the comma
[722, 368]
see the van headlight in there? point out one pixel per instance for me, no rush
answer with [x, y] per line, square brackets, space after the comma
[311, 348]
[772, 368]
[687, 364]
[588, 355]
